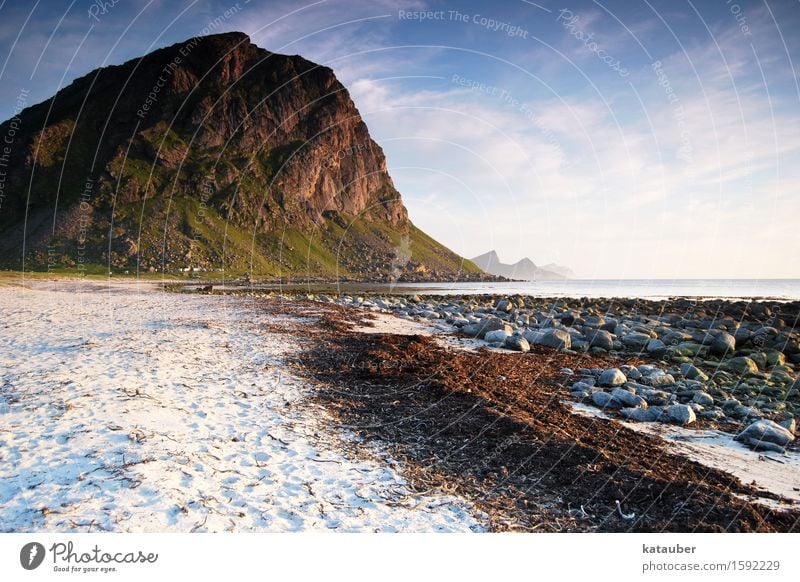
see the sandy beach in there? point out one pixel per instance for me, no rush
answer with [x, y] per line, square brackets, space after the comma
[127, 409]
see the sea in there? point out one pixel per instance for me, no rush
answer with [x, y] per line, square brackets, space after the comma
[773, 289]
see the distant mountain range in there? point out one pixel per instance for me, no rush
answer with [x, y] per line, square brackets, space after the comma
[524, 269]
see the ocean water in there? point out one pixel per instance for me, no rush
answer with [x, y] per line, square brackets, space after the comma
[779, 289]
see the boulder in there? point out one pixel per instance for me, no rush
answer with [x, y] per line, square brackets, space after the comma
[703, 398]
[681, 414]
[741, 365]
[642, 414]
[764, 432]
[657, 380]
[635, 340]
[612, 377]
[497, 336]
[605, 400]
[628, 398]
[692, 372]
[600, 339]
[656, 348]
[723, 344]
[550, 337]
[517, 343]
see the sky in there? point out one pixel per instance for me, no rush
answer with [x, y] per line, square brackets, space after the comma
[648, 139]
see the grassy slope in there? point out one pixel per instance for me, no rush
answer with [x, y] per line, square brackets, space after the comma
[342, 248]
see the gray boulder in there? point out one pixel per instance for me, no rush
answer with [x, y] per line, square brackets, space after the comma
[763, 433]
[656, 348]
[496, 336]
[517, 343]
[657, 380]
[629, 398]
[741, 365]
[600, 339]
[642, 414]
[681, 414]
[612, 377]
[723, 344]
[635, 340]
[703, 398]
[605, 400]
[550, 337]
[692, 372]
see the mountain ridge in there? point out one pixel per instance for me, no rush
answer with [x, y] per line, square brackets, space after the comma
[524, 269]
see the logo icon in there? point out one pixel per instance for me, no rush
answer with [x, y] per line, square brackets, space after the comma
[31, 555]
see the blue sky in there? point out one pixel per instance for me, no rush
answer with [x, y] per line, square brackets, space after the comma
[623, 139]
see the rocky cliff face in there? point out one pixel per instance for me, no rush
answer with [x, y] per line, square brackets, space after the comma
[212, 153]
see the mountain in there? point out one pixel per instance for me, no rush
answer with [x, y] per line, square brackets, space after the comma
[212, 154]
[524, 269]
[565, 272]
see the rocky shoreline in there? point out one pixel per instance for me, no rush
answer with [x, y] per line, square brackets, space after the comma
[732, 363]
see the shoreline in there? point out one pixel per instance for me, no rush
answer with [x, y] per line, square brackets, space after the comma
[454, 432]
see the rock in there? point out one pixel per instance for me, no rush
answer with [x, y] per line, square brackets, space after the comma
[693, 373]
[765, 431]
[595, 321]
[681, 414]
[775, 358]
[612, 377]
[628, 398]
[742, 336]
[635, 340]
[504, 305]
[656, 348]
[600, 339]
[486, 325]
[713, 414]
[428, 314]
[497, 336]
[517, 343]
[723, 344]
[605, 400]
[703, 398]
[675, 337]
[657, 380]
[630, 372]
[641, 414]
[741, 365]
[550, 337]
[652, 396]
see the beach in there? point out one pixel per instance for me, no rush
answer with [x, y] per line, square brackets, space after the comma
[128, 408]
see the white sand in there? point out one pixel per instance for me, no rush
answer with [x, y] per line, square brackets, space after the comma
[123, 408]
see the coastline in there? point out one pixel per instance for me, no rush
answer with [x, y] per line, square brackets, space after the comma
[455, 433]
